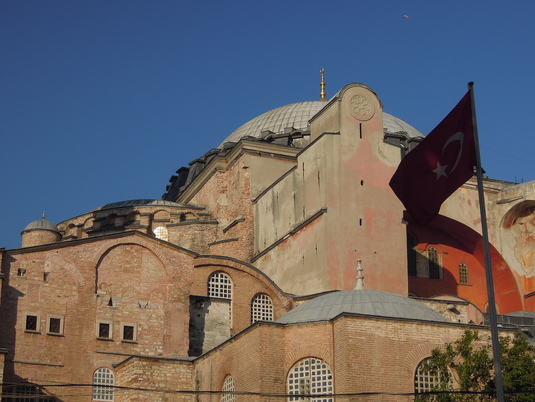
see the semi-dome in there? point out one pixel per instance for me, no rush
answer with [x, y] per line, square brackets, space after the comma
[41, 224]
[297, 115]
[367, 302]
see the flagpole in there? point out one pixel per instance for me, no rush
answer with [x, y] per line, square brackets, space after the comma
[488, 263]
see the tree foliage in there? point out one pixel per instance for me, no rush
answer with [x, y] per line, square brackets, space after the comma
[469, 362]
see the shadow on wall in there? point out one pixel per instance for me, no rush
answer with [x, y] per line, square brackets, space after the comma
[459, 244]
[198, 309]
[209, 324]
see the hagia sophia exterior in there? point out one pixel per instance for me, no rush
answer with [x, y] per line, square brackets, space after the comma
[278, 266]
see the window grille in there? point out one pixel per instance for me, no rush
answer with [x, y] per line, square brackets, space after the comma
[310, 377]
[229, 387]
[54, 325]
[129, 333]
[104, 330]
[261, 308]
[463, 274]
[219, 285]
[25, 393]
[31, 323]
[161, 233]
[103, 382]
[425, 381]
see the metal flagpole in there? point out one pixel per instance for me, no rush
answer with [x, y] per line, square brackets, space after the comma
[488, 263]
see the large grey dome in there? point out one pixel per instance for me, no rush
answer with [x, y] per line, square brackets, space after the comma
[41, 224]
[392, 125]
[368, 302]
[297, 115]
[294, 115]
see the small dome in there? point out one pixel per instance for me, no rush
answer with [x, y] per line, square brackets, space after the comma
[367, 302]
[521, 313]
[41, 224]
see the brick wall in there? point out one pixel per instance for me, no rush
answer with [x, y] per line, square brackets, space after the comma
[126, 279]
[227, 195]
[365, 355]
[148, 378]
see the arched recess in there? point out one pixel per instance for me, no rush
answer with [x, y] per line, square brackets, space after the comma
[161, 215]
[88, 224]
[460, 243]
[130, 270]
[518, 236]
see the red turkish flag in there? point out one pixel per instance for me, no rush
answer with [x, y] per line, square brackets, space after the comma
[438, 166]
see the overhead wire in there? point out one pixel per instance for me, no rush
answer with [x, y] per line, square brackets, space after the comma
[7, 394]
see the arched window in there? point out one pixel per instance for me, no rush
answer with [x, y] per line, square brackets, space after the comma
[426, 380]
[434, 263]
[219, 285]
[310, 376]
[103, 382]
[228, 386]
[411, 255]
[463, 274]
[261, 308]
[161, 233]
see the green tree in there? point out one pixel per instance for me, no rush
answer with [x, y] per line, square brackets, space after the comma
[470, 359]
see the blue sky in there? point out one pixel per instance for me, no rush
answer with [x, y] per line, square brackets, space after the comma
[101, 101]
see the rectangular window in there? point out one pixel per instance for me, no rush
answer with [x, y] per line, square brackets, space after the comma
[463, 274]
[31, 323]
[104, 330]
[55, 325]
[128, 332]
[434, 263]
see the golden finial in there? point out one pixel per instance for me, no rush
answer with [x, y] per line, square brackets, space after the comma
[323, 95]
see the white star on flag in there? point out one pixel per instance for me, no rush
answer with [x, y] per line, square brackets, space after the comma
[440, 170]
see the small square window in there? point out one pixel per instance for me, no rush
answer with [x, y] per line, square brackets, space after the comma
[32, 323]
[104, 330]
[55, 326]
[128, 332]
